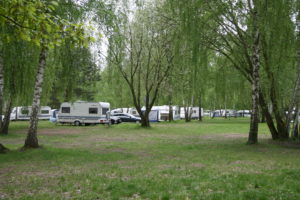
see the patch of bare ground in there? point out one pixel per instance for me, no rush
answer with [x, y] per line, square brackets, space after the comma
[123, 150]
[44, 174]
[229, 136]
[197, 165]
[16, 176]
[56, 131]
[4, 173]
[74, 131]
[243, 170]
[223, 136]
[95, 141]
[164, 166]
[113, 150]
[242, 162]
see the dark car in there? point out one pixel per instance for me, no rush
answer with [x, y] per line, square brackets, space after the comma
[115, 120]
[127, 117]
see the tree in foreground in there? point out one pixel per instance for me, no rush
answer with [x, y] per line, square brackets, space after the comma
[230, 31]
[253, 133]
[44, 29]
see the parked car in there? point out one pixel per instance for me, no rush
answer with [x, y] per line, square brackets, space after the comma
[127, 117]
[115, 120]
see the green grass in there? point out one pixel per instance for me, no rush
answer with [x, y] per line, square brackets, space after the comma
[208, 160]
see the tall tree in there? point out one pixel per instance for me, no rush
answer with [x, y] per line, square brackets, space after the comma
[143, 55]
[253, 133]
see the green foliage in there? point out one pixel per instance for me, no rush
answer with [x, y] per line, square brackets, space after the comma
[226, 27]
[112, 88]
[75, 76]
[35, 21]
[279, 49]
[58, 25]
[20, 59]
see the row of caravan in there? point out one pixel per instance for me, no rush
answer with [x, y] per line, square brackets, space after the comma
[77, 113]
[82, 112]
[161, 113]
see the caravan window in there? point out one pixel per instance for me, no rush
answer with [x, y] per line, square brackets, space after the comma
[93, 110]
[104, 110]
[45, 111]
[24, 111]
[194, 111]
[65, 109]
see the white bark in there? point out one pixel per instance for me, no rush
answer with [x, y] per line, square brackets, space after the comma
[253, 132]
[31, 140]
[295, 100]
[1, 86]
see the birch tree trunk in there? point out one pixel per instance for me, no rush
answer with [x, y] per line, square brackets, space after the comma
[31, 140]
[253, 133]
[295, 98]
[6, 120]
[295, 133]
[1, 86]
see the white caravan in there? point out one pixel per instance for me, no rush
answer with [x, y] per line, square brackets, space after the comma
[82, 112]
[161, 113]
[195, 112]
[24, 113]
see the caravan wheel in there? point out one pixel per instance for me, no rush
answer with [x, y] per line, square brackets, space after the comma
[77, 123]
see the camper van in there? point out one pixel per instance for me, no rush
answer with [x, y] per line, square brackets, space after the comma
[82, 112]
[161, 113]
[24, 113]
[195, 112]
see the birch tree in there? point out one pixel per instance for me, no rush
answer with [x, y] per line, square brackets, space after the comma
[74, 32]
[294, 104]
[45, 29]
[253, 133]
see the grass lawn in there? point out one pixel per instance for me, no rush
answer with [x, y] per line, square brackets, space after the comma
[207, 160]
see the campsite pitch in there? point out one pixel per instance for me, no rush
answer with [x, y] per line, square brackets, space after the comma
[207, 160]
